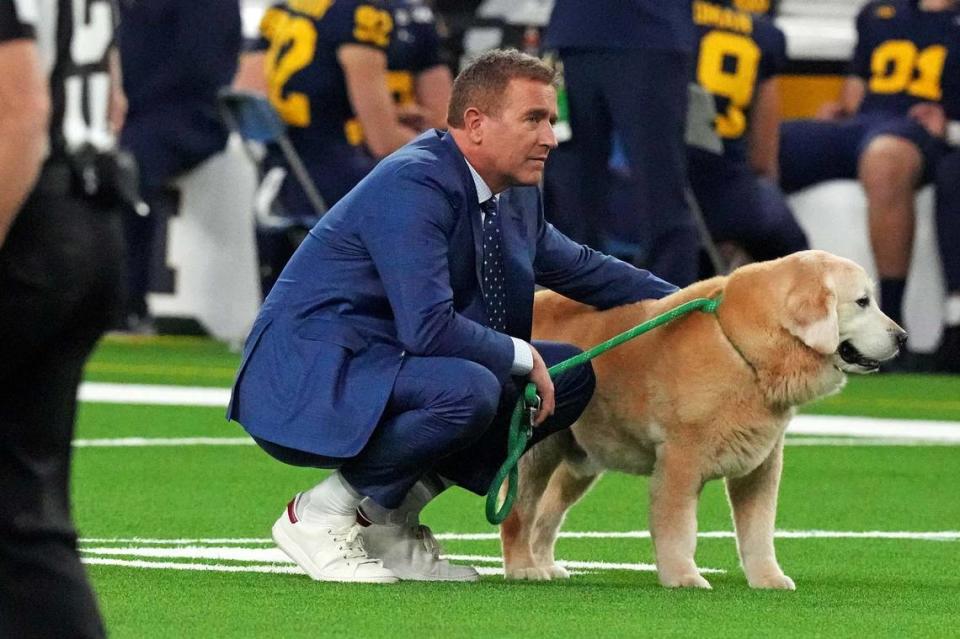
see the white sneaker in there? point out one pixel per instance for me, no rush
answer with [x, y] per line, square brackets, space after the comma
[413, 553]
[331, 551]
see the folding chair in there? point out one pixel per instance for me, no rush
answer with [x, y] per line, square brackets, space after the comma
[254, 119]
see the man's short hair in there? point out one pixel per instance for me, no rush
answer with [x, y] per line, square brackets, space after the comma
[483, 83]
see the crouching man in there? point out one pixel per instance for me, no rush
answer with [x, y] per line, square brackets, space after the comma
[395, 342]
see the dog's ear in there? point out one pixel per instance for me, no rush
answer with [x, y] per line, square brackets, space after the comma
[811, 309]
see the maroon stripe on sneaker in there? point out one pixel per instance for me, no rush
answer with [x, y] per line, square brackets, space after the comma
[362, 519]
[291, 511]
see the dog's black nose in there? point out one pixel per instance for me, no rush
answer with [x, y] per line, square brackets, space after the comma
[901, 337]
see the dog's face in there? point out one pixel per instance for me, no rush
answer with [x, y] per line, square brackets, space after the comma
[867, 336]
[836, 313]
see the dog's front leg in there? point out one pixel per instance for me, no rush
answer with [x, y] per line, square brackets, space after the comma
[753, 499]
[674, 492]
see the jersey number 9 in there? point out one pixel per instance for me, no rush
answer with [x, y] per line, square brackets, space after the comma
[727, 68]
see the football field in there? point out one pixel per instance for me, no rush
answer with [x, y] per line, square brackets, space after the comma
[174, 506]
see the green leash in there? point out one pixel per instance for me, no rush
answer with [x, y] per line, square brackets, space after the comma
[529, 403]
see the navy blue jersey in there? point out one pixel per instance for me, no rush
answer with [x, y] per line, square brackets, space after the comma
[756, 7]
[414, 48]
[621, 24]
[907, 56]
[736, 53]
[306, 83]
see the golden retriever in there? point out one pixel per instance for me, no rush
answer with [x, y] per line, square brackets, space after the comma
[704, 397]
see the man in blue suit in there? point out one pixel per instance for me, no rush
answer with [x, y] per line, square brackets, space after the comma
[391, 346]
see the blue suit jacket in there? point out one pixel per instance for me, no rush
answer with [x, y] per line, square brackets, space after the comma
[393, 269]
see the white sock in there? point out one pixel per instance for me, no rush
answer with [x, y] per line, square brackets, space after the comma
[951, 310]
[409, 510]
[331, 499]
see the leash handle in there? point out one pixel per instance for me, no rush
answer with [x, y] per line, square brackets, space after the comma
[522, 430]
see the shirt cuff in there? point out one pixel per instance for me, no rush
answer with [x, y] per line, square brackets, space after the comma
[522, 358]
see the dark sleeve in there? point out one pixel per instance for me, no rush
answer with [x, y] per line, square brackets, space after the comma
[12, 25]
[860, 64]
[774, 52]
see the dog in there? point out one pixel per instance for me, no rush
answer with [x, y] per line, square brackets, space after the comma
[703, 397]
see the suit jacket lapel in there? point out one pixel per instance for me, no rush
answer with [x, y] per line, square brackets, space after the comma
[473, 205]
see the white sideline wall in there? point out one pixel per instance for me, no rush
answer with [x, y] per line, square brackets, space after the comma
[834, 216]
[211, 247]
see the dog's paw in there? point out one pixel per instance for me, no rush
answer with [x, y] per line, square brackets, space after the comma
[689, 580]
[533, 573]
[556, 571]
[773, 582]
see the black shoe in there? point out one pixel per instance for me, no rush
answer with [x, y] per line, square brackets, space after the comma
[948, 354]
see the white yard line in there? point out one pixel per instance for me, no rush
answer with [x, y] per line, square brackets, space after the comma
[136, 563]
[175, 565]
[155, 394]
[938, 535]
[261, 556]
[258, 555]
[113, 442]
[845, 431]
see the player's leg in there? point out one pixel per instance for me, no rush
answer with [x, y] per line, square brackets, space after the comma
[647, 93]
[890, 168]
[948, 241]
[813, 151]
[577, 181]
[742, 208]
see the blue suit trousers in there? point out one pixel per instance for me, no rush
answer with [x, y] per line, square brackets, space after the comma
[448, 416]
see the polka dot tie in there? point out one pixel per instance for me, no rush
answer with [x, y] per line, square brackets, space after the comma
[493, 289]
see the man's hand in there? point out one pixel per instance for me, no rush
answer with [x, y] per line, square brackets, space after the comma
[930, 115]
[544, 384]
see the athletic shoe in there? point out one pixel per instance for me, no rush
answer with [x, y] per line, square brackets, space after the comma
[328, 551]
[412, 552]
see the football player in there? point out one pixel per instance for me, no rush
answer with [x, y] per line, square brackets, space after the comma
[888, 128]
[738, 58]
[353, 80]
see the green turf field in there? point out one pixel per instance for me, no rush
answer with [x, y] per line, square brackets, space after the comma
[177, 536]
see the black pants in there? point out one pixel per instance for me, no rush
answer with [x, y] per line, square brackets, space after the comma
[641, 96]
[60, 278]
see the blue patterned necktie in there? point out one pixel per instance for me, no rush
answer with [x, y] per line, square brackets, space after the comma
[493, 289]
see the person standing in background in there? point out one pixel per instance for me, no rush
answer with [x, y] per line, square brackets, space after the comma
[60, 282]
[739, 56]
[626, 67]
[176, 55]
